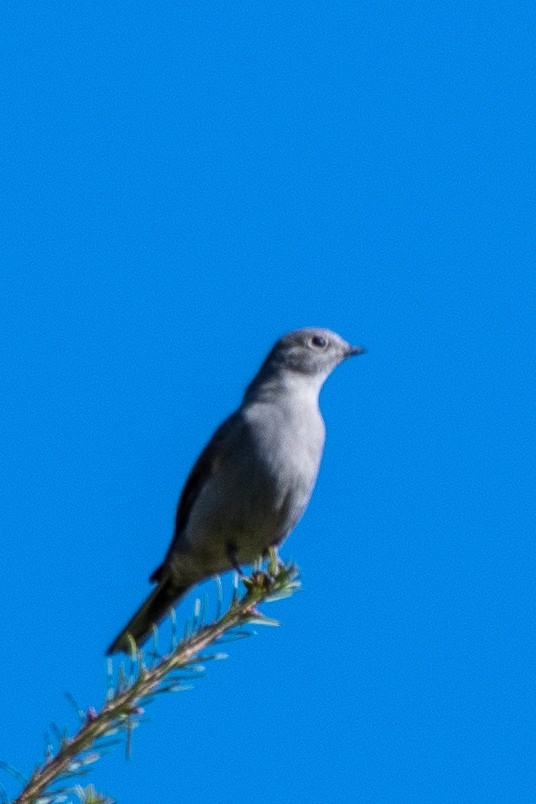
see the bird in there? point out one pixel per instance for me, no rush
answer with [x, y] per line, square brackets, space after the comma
[252, 482]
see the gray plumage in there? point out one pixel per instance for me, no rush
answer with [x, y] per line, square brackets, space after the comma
[252, 482]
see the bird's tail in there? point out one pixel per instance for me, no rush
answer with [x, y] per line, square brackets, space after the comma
[150, 613]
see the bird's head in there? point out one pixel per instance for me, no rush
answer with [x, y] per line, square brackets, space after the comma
[309, 355]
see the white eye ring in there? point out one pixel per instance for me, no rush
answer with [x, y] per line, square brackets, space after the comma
[319, 341]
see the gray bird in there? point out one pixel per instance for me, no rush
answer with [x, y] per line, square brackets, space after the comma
[252, 482]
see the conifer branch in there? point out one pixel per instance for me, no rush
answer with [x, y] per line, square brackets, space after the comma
[123, 708]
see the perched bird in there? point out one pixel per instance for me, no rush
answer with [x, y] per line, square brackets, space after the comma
[252, 482]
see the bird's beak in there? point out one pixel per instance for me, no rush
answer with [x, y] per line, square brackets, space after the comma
[355, 350]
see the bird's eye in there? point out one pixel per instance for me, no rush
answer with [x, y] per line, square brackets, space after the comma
[318, 341]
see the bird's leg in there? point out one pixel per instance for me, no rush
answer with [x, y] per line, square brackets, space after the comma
[233, 560]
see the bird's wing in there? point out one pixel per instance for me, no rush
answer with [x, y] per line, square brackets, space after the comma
[206, 465]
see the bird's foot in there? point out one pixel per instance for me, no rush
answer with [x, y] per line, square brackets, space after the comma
[233, 560]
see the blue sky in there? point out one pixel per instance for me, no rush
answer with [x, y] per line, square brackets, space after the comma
[182, 183]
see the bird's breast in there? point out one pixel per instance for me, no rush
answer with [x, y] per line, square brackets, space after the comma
[261, 488]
